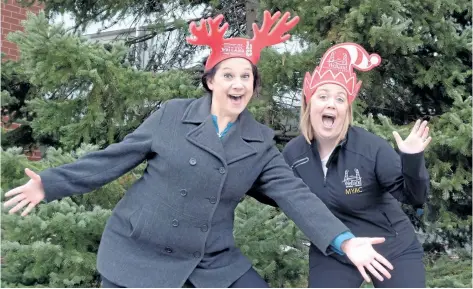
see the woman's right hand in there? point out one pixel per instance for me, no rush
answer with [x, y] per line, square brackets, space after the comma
[31, 194]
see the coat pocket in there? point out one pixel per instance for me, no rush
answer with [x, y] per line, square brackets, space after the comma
[389, 225]
[162, 226]
[137, 221]
[299, 162]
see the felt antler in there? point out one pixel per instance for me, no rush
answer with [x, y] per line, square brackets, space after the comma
[249, 49]
[266, 36]
[211, 37]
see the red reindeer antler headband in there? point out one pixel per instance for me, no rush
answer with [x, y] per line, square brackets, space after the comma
[250, 49]
[337, 67]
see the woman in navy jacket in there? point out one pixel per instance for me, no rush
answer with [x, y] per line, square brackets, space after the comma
[357, 174]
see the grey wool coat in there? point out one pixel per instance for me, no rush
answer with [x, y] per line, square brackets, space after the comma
[176, 222]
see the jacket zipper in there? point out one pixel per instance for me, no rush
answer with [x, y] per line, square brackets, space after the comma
[329, 161]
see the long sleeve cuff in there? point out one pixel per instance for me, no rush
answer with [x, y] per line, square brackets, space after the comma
[413, 165]
[337, 242]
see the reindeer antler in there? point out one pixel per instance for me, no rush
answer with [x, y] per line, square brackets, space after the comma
[264, 37]
[211, 37]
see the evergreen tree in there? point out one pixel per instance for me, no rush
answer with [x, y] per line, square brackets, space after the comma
[167, 21]
[56, 245]
[449, 272]
[447, 221]
[87, 92]
[274, 244]
[71, 92]
[425, 48]
[15, 91]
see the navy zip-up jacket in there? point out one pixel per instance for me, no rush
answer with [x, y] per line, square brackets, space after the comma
[365, 180]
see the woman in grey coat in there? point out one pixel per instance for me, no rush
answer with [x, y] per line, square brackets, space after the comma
[175, 224]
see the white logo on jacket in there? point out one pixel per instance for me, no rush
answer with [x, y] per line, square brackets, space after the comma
[353, 184]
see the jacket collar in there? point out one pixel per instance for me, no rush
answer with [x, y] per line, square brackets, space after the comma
[341, 144]
[199, 110]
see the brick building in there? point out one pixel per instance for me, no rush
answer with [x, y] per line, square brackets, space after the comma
[12, 15]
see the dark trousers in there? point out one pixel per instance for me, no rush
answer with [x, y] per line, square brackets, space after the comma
[251, 279]
[409, 272]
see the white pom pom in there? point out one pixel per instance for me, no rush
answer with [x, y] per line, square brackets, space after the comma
[374, 59]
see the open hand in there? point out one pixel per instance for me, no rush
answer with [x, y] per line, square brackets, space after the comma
[360, 251]
[30, 194]
[416, 141]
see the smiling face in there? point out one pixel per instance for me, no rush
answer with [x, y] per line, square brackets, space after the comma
[231, 86]
[329, 112]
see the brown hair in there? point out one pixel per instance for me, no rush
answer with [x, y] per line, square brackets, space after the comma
[211, 73]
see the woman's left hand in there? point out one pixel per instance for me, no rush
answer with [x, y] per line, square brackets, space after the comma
[361, 252]
[416, 141]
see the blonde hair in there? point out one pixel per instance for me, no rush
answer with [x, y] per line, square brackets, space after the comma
[305, 126]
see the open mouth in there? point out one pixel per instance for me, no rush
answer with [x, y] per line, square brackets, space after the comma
[328, 120]
[235, 99]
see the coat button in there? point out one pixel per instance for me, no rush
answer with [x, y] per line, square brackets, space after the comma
[197, 255]
[175, 223]
[213, 200]
[204, 228]
[183, 192]
[168, 250]
[192, 161]
[221, 170]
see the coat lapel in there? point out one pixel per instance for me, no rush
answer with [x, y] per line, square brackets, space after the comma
[235, 145]
[237, 142]
[204, 134]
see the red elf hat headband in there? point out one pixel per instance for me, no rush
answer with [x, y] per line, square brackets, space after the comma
[337, 67]
[249, 49]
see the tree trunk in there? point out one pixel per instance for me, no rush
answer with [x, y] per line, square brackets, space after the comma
[251, 7]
